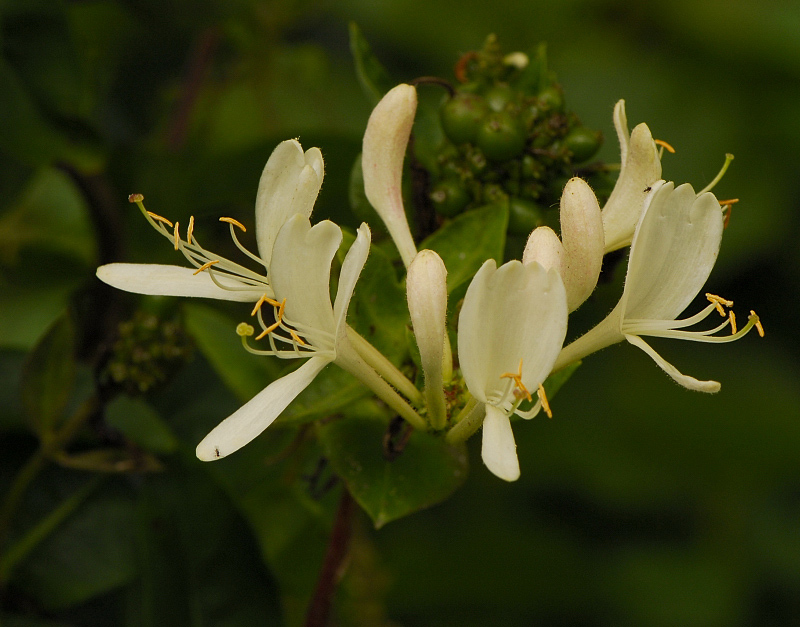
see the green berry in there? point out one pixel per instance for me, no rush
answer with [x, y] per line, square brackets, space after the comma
[523, 216]
[461, 116]
[500, 136]
[499, 96]
[551, 99]
[583, 143]
[449, 197]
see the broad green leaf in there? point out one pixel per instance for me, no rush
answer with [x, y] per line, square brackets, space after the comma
[359, 204]
[374, 78]
[90, 553]
[48, 376]
[215, 333]
[468, 241]
[426, 472]
[139, 422]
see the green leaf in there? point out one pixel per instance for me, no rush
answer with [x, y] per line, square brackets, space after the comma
[374, 78]
[426, 472]
[361, 207]
[48, 376]
[139, 422]
[468, 241]
[215, 333]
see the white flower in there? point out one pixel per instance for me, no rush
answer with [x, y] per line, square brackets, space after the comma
[426, 289]
[510, 330]
[578, 256]
[306, 325]
[640, 169]
[673, 251]
[289, 185]
[384, 150]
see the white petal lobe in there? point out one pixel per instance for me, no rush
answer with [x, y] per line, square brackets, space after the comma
[499, 450]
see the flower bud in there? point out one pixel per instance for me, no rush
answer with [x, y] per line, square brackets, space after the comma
[384, 150]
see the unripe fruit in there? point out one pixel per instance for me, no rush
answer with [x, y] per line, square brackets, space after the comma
[583, 143]
[500, 136]
[461, 116]
[449, 197]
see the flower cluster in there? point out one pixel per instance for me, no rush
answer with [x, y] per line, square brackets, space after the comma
[513, 320]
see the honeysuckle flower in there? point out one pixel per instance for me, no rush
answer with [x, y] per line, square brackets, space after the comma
[289, 185]
[384, 150]
[578, 255]
[426, 289]
[510, 330]
[673, 251]
[640, 169]
[306, 325]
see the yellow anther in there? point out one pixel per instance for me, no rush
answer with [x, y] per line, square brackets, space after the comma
[718, 302]
[732, 318]
[177, 237]
[272, 301]
[728, 203]
[244, 330]
[759, 328]
[155, 216]
[281, 307]
[190, 230]
[543, 399]
[258, 304]
[233, 222]
[268, 330]
[664, 144]
[205, 266]
[135, 198]
[296, 337]
[520, 390]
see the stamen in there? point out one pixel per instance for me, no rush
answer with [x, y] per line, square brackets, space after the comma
[664, 144]
[521, 391]
[718, 177]
[234, 222]
[268, 330]
[732, 318]
[281, 307]
[718, 302]
[759, 328]
[543, 398]
[258, 305]
[137, 198]
[177, 237]
[190, 230]
[205, 266]
[296, 337]
[155, 216]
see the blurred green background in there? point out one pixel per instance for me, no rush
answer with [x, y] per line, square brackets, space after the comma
[640, 503]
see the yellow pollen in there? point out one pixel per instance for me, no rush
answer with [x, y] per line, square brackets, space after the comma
[543, 399]
[258, 305]
[664, 144]
[135, 198]
[759, 328]
[718, 302]
[155, 216]
[732, 318]
[296, 337]
[177, 237]
[234, 222]
[281, 307]
[520, 391]
[728, 203]
[272, 301]
[205, 266]
[190, 230]
[268, 330]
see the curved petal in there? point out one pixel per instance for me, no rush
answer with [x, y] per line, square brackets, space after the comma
[684, 380]
[301, 270]
[621, 126]
[512, 313]
[353, 263]
[499, 451]
[673, 252]
[247, 422]
[289, 184]
[640, 169]
[583, 240]
[544, 247]
[384, 150]
[163, 280]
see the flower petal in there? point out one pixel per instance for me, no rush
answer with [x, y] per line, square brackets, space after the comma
[163, 280]
[301, 269]
[583, 240]
[243, 425]
[684, 380]
[353, 263]
[499, 451]
[544, 247]
[289, 184]
[640, 168]
[673, 252]
[510, 313]
[384, 150]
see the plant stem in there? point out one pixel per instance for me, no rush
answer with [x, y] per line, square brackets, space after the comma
[469, 424]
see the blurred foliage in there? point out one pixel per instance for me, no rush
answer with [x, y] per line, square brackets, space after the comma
[639, 504]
